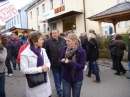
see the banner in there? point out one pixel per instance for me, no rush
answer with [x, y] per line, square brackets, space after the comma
[7, 12]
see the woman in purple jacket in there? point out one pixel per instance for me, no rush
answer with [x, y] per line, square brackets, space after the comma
[73, 59]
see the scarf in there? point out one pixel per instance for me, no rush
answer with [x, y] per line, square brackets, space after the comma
[40, 60]
[70, 52]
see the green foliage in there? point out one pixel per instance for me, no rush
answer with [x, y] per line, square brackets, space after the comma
[104, 40]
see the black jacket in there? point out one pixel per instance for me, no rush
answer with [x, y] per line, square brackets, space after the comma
[54, 50]
[84, 41]
[93, 50]
[7, 45]
[120, 47]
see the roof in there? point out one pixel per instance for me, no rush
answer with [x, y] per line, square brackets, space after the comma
[115, 9]
[33, 3]
[14, 28]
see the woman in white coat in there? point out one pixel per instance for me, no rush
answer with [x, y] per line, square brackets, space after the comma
[34, 60]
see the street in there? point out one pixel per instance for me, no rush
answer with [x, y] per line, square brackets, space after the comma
[111, 85]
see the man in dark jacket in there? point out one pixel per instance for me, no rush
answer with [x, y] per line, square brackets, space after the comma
[15, 45]
[120, 47]
[24, 37]
[84, 41]
[54, 47]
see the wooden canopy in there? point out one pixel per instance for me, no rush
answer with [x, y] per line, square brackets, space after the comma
[115, 14]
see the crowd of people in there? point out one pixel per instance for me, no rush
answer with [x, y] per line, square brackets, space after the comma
[65, 54]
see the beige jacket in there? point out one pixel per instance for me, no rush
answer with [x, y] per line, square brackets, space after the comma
[3, 54]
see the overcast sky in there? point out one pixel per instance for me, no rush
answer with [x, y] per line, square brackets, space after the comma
[17, 3]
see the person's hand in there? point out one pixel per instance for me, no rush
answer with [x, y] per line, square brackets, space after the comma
[67, 61]
[45, 68]
[63, 60]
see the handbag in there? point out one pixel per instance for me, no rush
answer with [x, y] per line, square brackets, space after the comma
[113, 50]
[35, 79]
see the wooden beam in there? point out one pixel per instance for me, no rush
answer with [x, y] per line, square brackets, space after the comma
[100, 28]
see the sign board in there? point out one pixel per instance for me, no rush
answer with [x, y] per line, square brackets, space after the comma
[7, 12]
[48, 15]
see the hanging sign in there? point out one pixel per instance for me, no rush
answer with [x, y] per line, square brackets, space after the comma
[7, 12]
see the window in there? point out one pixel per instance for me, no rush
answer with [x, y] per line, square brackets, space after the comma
[14, 22]
[10, 23]
[62, 1]
[126, 24]
[37, 11]
[38, 28]
[118, 1]
[53, 25]
[119, 25]
[44, 27]
[43, 8]
[31, 15]
[18, 19]
[51, 4]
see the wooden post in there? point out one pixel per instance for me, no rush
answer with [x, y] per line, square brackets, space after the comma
[100, 28]
[114, 28]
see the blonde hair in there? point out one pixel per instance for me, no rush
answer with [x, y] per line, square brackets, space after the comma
[74, 37]
[91, 36]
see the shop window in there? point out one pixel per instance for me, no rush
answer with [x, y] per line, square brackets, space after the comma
[69, 24]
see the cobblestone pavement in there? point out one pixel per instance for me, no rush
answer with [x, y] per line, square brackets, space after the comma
[110, 86]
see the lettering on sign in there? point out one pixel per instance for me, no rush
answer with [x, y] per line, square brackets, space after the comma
[7, 12]
[59, 9]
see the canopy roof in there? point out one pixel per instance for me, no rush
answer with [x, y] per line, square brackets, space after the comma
[117, 13]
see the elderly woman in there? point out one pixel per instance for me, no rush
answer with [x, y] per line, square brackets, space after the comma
[3, 55]
[92, 56]
[7, 45]
[34, 60]
[120, 46]
[73, 59]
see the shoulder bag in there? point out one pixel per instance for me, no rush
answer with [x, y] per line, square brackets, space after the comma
[35, 79]
[113, 50]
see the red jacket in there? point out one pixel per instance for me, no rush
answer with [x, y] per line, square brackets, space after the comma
[20, 51]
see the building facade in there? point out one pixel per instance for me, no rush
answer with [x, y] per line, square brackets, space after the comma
[44, 15]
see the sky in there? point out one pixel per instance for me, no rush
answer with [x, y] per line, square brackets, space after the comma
[17, 3]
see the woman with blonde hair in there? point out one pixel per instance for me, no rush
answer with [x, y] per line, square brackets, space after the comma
[73, 59]
[92, 56]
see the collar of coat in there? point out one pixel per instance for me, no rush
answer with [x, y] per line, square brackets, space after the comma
[28, 52]
[59, 38]
[80, 49]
